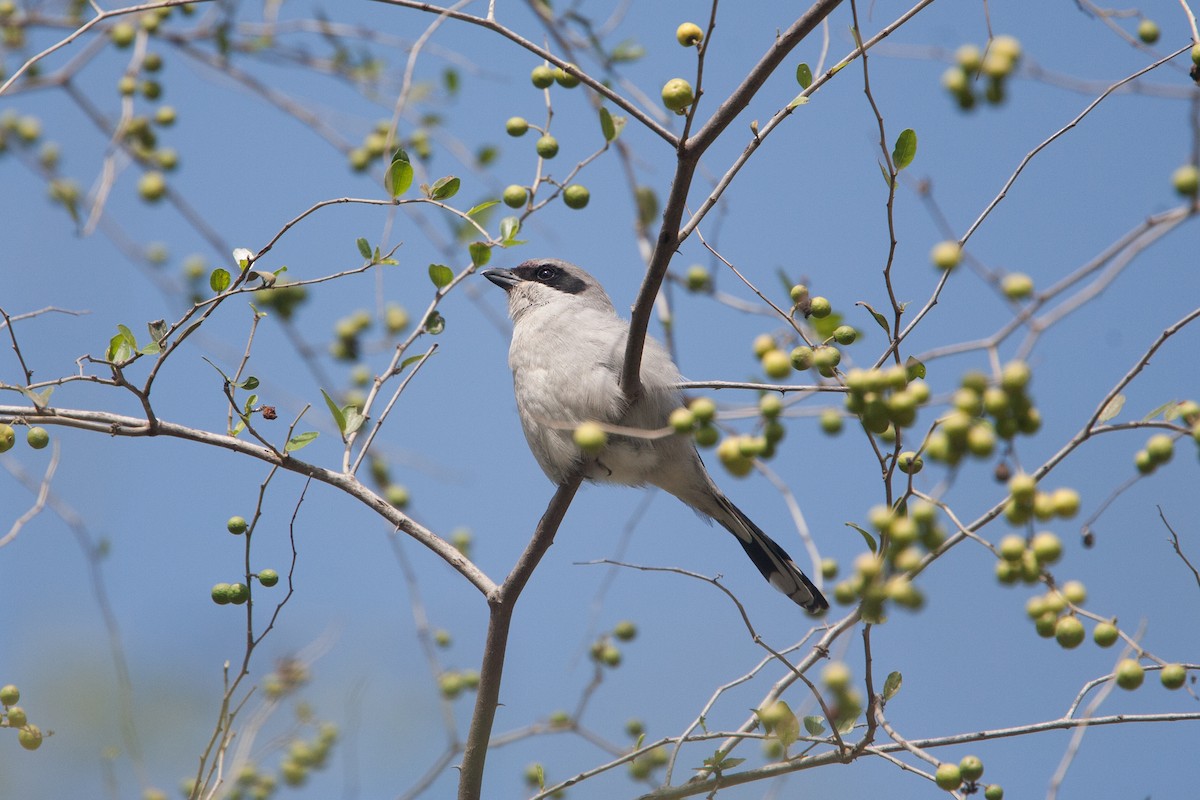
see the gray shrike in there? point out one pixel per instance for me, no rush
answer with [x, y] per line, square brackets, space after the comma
[568, 345]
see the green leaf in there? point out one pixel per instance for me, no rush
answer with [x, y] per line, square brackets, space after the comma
[118, 349]
[399, 175]
[338, 417]
[1158, 411]
[814, 725]
[539, 774]
[238, 427]
[435, 323]
[880, 318]
[628, 50]
[481, 254]
[441, 275]
[887, 178]
[484, 205]
[1112, 408]
[150, 348]
[509, 228]
[606, 125]
[218, 281]
[410, 360]
[803, 76]
[300, 441]
[250, 384]
[364, 248]
[866, 535]
[787, 729]
[914, 368]
[250, 403]
[891, 685]
[354, 419]
[450, 80]
[797, 101]
[905, 149]
[445, 188]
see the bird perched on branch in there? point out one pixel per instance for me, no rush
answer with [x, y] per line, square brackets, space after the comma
[568, 345]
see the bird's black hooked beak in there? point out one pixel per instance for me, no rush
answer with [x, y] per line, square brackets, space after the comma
[504, 278]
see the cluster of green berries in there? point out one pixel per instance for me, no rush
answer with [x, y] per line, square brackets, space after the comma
[885, 400]
[1022, 560]
[282, 298]
[576, 195]
[983, 412]
[394, 493]
[346, 333]
[994, 66]
[35, 436]
[1053, 615]
[965, 775]
[252, 783]
[452, 683]
[1130, 674]
[375, 145]
[845, 702]
[288, 676]
[883, 577]
[139, 132]
[642, 768]
[736, 452]
[1027, 502]
[604, 650]
[238, 593]
[29, 736]
[305, 755]
[1160, 447]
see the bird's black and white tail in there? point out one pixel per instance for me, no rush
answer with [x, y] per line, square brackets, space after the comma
[771, 559]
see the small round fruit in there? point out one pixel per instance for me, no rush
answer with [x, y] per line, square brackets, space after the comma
[1173, 676]
[625, 630]
[515, 196]
[236, 525]
[122, 34]
[819, 307]
[1186, 180]
[956, 81]
[677, 95]
[1074, 592]
[682, 420]
[268, 577]
[827, 357]
[831, 421]
[948, 777]
[516, 126]
[1148, 31]
[971, 768]
[1130, 674]
[1015, 376]
[1047, 547]
[239, 593]
[1144, 463]
[994, 791]
[30, 737]
[1066, 502]
[547, 146]
[697, 278]
[703, 409]
[1105, 634]
[836, 676]
[152, 186]
[802, 357]
[576, 196]
[910, 463]
[1069, 632]
[542, 76]
[220, 593]
[7, 437]
[946, 255]
[10, 695]
[829, 568]
[770, 405]
[706, 435]
[1017, 286]
[37, 437]
[689, 34]
[1161, 447]
[590, 437]
[763, 344]
[17, 717]
[798, 293]
[396, 495]
[610, 656]
[844, 334]
[565, 79]
[776, 364]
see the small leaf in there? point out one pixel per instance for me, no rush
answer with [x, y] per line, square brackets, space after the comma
[1158, 411]
[250, 403]
[364, 247]
[1112, 408]
[539, 774]
[354, 420]
[905, 150]
[803, 76]
[435, 323]
[218, 281]
[410, 360]
[914, 368]
[482, 206]
[399, 175]
[445, 188]
[118, 349]
[628, 50]
[887, 178]
[250, 384]
[237, 429]
[150, 348]
[481, 254]
[509, 228]
[441, 275]
[880, 318]
[814, 725]
[299, 441]
[891, 685]
[787, 729]
[866, 535]
[338, 417]
[797, 101]
[450, 80]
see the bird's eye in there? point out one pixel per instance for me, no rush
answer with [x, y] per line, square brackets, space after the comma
[546, 273]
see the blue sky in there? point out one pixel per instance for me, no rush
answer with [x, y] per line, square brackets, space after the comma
[811, 202]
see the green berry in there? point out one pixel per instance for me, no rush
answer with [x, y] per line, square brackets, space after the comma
[1105, 634]
[396, 495]
[236, 525]
[1148, 31]
[698, 278]
[948, 777]
[590, 437]
[1017, 286]
[17, 717]
[1161, 447]
[993, 791]
[122, 34]
[515, 196]
[971, 768]
[836, 676]
[7, 437]
[682, 420]
[1015, 376]
[152, 186]
[576, 196]
[1069, 632]
[37, 437]
[831, 421]
[844, 334]
[566, 79]
[1074, 592]
[827, 357]
[802, 357]
[30, 737]
[819, 307]
[9, 695]
[268, 577]
[547, 146]
[542, 76]
[776, 364]
[909, 462]
[1172, 676]
[677, 95]
[689, 34]
[1047, 547]
[220, 593]
[946, 255]
[516, 126]
[703, 409]
[1130, 674]
[706, 435]
[239, 593]
[625, 631]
